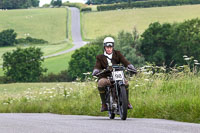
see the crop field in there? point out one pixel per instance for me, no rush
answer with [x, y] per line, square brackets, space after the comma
[96, 24]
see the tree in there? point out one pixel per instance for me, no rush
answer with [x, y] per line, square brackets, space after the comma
[83, 61]
[56, 3]
[18, 4]
[128, 44]
[155, 44]
[23, 65]
[7, 37]
[168, 43]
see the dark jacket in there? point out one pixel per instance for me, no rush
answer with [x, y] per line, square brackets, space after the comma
[102, 63]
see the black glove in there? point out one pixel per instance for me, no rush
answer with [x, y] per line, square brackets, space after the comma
[130, 66]
[95, 71]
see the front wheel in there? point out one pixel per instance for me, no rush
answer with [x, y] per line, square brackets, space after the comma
[123, 103]
[111, 115]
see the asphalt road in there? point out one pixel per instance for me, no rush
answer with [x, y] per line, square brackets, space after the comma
[76, 33]
[53, 123]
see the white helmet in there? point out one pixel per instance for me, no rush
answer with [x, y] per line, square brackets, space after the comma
[108, 41]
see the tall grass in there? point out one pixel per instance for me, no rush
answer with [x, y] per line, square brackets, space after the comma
[166, 96]
[111, 22]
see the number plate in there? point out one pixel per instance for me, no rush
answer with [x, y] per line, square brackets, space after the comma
[118, 75]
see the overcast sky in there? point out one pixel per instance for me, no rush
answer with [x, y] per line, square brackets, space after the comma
[42, 2]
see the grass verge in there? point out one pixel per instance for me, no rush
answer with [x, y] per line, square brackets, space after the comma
[173, 97]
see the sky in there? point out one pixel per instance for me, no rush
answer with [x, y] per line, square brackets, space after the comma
[42, 2]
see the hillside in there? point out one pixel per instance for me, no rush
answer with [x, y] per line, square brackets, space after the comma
[111, 22]
[48, 24]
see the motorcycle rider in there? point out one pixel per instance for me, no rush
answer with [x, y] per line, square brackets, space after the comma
[110, 56]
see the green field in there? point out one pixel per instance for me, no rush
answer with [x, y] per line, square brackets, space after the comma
[58, 63]
[96, 24]
[48, 24]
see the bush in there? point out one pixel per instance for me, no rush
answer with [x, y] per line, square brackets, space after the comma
[61, 77]
[23, 65]
[30, 40]
[87, 9]
[128, 44]
[80, 6]
[7, 37]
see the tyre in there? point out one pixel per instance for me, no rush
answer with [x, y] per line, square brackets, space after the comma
[123, 103]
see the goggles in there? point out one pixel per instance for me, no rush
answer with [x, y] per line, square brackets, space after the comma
[109, 44]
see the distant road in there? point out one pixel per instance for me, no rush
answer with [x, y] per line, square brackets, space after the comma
[52, 123]
[76, 33]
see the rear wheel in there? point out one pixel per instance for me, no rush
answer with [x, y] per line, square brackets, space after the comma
[123, 103]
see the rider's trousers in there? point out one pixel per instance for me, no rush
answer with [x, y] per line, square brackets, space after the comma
[103, 82]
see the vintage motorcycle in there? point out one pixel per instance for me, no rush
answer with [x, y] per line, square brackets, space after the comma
[116, 97]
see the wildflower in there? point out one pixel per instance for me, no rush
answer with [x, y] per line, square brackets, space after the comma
[146, 79]
[136, 85]
[185, 56]
[196, 61]
[5, 103]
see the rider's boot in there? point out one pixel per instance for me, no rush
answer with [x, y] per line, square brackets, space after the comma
[103, 100]
[129, 104]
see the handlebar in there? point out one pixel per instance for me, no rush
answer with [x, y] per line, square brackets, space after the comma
[118, 68]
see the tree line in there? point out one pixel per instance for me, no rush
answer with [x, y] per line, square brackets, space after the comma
[146, 4]
[18, 4]
[109, 1]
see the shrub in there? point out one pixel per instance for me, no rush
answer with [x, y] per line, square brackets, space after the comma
[23, 65]
[51, 77]
[87, 9]
[7, 37]
[30, 40]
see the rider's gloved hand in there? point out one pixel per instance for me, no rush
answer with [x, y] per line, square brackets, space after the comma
[95, 71]
[130, 66]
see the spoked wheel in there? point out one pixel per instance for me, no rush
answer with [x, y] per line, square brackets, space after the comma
[110, 112]
[123, 103]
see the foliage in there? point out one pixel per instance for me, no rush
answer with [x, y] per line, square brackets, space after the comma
[145, 4]
[23, 65]
[56, 3]
[82, 7]
[83, 61]
[167, 43]
[60, 77]
[155, 45]
[86, 9]
[30, 40]
[7, 37]
[129, 44]
[18, 4]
